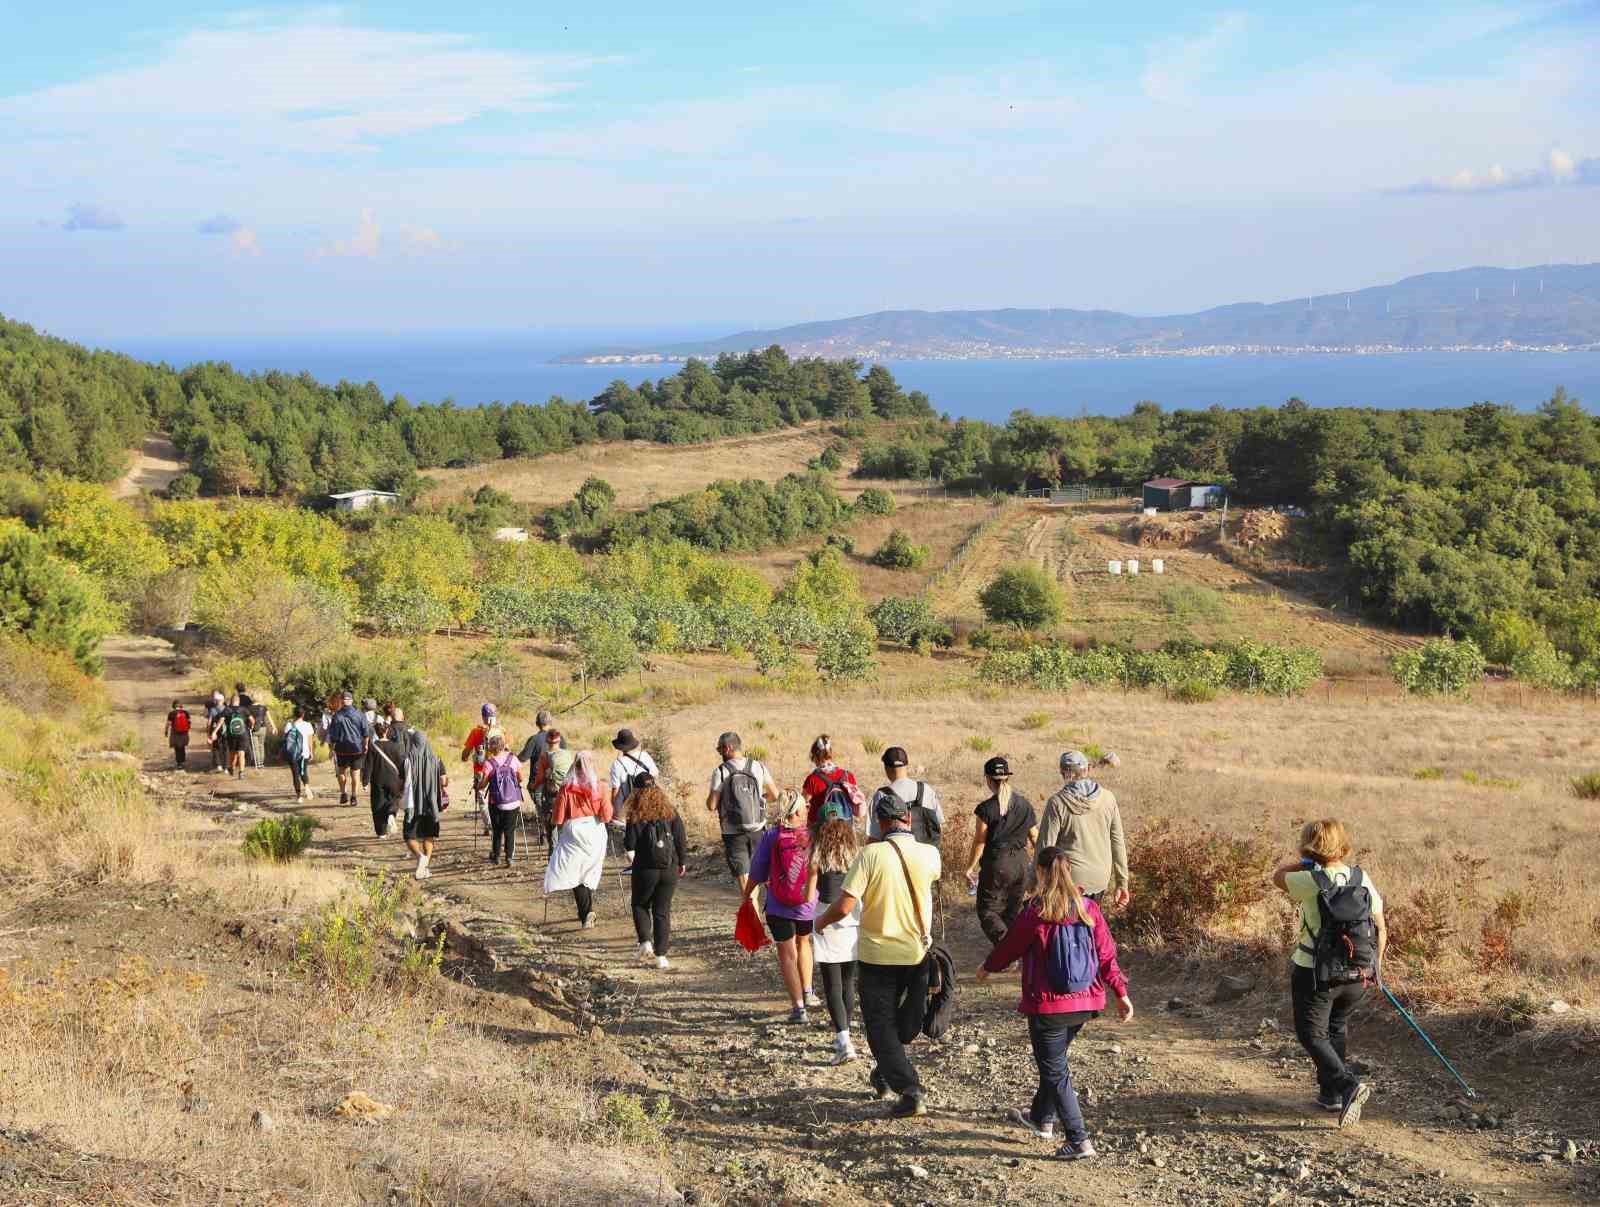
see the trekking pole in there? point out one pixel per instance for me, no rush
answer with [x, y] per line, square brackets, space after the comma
[1432, 1047]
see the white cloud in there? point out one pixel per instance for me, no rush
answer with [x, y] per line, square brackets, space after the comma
[1560, 168]
[86, 216]
[243, 242]
[423, 240]
[363, 244]
[218, 224]
[1174, 67]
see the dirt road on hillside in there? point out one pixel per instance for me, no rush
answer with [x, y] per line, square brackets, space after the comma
[1192, 1103]
[151, 469]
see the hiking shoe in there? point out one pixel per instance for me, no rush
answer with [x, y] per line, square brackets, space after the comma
[1330, 1102]
[1350, 1106]
[661, 963]
[344, 798]
[910, 1106]
[880, 1087]
[843, 1052]
[422, 873]
[1082, 1150]
[1025, 1119]
[588, 923]
[812, 999]
[797, 1014]
[647, 950]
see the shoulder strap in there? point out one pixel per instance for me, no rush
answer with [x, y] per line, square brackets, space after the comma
[1355, 878]
[916, 901]
[921, 788]
[385, 758]
[1322, 880]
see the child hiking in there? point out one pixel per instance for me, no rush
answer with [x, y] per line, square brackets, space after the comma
[834, 949]
[502, 772]
[1069, 959]
[829, 782]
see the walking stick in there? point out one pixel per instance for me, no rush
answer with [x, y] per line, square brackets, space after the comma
[1450, 1068]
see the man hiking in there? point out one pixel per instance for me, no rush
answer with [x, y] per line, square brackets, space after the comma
[739, 793]
[892, 881]
[1082, 821]
[927, 815]
[219, 746]
[631, 762]
[1335, 958]
[551, 774]
[476, 751]
[531, 755]
[349, 736]
[177, 732]
[232, 730]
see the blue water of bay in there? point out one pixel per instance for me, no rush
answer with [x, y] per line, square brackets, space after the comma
[474, 370]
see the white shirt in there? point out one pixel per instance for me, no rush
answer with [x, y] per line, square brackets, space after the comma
[625, 766]
[753, 766]
[307, 736]
[906, 790]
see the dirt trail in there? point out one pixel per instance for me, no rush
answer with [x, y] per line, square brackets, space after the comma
[152, 468]
[1191, 1103]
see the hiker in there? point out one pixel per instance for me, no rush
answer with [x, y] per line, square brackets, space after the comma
[369, 709]
[829, 782]
[262, 724]
[474, 750]
[630, 763]
[503, 770]
[219, 748]
[555, 766]
[1069, 959]
[177, 732]
[1083, 822]
[998, 864]
[349, 735]
[1338, 953]
[833, 851]
[533, 750]
[657, 850]
[581, 812]
[427, 791]
[739, 788]
[892, 882]
[232, 731]
[927, 815]
[384, 772]
[782, 862]
[299, 741]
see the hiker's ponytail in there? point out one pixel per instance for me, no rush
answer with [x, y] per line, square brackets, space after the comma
[822, 749]
[1059, 899]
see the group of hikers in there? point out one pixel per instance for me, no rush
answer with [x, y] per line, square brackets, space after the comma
[850, 882]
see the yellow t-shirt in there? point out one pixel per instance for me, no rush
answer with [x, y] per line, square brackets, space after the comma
[889, 930]
[1302, 887]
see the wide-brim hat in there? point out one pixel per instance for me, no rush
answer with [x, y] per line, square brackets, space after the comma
[625, 741]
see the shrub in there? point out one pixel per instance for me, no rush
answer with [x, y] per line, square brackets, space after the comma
[1194, 691]
[1190, 885]
[875, 501]
[1587, 787]
[631, 1121]
[1439, 667]
[1189, 601]
[898, 553]
[1427, 773]
[871, 745]
[280, 839]
[184, 486]
[1542, 665]
[979, 745]
[1035, 720]
[43, 680]
[341, 947]
[48, 603]
[909, 621]
[1422, 926]
[605, 651]
[1022, 595]
[387, 676]
[845, 652]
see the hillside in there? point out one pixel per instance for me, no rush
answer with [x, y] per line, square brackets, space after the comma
[1545, 306]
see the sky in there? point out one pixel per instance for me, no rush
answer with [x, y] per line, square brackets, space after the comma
[176, 168]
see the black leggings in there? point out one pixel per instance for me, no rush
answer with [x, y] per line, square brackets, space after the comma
[1002, 884]
[584, 896]
[504, 822]
[652, 906]
[839, 987]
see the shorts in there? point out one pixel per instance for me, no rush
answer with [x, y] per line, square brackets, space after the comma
[739, 850]
[236, 745]
[784, 929]
[421, 827]
[348, 762]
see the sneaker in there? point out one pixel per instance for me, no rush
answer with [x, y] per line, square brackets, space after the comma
[661, 963]
[843, 1052]
[1330, 1102]
[422, 873]
[493, 859]
[1083, 1150]
[1350, 1106]
[910, 1106]
[343, 798]
[797, 1014]
[647, 950]
[812, 1000]
[1025, 1119]
[880, 1087]
[588, 923]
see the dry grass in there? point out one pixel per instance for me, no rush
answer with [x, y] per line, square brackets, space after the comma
[642, 473]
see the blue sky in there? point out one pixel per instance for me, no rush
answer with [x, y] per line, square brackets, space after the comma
[179, 169]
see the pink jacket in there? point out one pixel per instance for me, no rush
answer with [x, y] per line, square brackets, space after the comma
[1028, 940]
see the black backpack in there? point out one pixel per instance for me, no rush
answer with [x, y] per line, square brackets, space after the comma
[925, 824]
[1345, 950]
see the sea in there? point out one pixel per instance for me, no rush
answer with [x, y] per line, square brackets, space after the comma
[474, 370]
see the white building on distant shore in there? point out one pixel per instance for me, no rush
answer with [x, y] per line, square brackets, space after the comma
[360, 500]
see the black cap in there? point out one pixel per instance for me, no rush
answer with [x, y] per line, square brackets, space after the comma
[997, 768]
[889, 807]
[895, 756]
[625, 741]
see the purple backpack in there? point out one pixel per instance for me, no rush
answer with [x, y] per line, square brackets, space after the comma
[1071, 962]
[503, 786]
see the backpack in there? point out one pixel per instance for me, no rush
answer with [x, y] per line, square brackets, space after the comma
[791, 866]
[344, 732]
[1345, 950]
[294, 743]
[236, 725]
[941, 1011]
[625, 789]
[925, 824]
[1071, 962]
[654, 847]
[837, 794]
[557, 769]
[503, 786]
[739, 803]
[180, 721]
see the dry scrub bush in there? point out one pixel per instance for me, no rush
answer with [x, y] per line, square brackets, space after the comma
[1192, 884]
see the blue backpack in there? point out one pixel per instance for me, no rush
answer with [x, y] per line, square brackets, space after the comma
[1071, 963]
[293, 744]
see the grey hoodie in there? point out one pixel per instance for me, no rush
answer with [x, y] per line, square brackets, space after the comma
[1082, 819]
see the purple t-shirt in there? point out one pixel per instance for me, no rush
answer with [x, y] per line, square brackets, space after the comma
[761, 871]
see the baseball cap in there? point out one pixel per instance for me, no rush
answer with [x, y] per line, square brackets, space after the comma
[895, 756]
[369, 702]
[997, 768]
[1074, 760]
[834, 811]
[348, 697]
[888, 806]
[488, 711]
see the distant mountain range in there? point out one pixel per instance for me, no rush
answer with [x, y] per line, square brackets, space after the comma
[1556, 306]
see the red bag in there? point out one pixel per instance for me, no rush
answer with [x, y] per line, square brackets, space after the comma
[747, 928]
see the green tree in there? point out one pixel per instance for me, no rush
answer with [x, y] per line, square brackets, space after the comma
[421, 557]
[259, 611]
[845, 652]
[45, 602]
[1022, 595]
[823, 586]
[898, 553]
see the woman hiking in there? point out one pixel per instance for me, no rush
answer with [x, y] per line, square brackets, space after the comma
[782, 861]
[832, 853]
[657, 849]
[829, 781]
[503, 772]
[998, 865]
[177, 732]
[1069, 959]
[581, 813]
